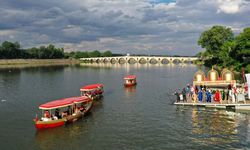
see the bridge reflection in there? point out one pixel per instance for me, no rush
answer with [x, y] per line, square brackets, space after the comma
[137, 65]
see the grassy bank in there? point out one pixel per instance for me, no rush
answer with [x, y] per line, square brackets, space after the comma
[12, 63]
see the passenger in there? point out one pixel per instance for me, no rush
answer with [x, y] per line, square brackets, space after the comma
[223, 95]
[69, 111]
[181, 97]
[177, 96]
[200, 96]
[184, 94]
[204, 95]
[46, 114]
[82, 108]
[194, 97]
[188, 93]
[217, 96]
[208, 96]
[76, 110]
[64, 114]
[57, 114]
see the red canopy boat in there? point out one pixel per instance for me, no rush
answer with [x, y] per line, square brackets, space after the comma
[130, 80]
[71, 110]
[92, 90]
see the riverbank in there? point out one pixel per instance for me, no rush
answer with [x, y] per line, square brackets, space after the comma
[19, 63]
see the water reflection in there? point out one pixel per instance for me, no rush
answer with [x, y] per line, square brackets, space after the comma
[137, 65]
[213, 126]
[130, 91]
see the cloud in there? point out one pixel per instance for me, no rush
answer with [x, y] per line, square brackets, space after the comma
[122, 26]
[230, 6]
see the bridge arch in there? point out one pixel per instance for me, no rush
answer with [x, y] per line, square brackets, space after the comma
[113, 61]
[98, 61]
[165, 61]
[132, 61]
[142, 61]
[122, 61]
[176, 61]
[188, 61]
[105, 61]
[153, 61]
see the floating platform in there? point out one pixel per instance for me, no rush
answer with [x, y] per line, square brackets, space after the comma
[236, 106]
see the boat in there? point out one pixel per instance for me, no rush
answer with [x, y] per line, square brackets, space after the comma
[58, 112]
[94, 91]
[130, 80]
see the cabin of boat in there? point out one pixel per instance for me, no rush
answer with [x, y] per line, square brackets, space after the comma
[93, 91]
[213, 79]
[58, 112]
[130, 80]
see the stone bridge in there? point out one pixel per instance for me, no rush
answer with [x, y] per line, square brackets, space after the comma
[140, 59]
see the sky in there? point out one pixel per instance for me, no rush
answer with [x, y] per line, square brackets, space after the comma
[164, 27]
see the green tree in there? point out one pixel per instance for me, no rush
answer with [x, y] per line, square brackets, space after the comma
[94, 54]
[107, 54]
[10, 50]
[241, 53]
[213, 41]
[214, 38]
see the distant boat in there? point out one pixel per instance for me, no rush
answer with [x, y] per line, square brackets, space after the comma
[130, 80]
[58, 112]
[94, 91]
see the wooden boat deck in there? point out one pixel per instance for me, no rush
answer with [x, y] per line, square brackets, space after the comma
[224, 104]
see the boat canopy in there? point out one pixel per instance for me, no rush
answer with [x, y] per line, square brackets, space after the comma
[91, 87]
[130, 77]
[64, 102]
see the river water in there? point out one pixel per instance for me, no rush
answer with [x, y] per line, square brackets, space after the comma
[126, 118]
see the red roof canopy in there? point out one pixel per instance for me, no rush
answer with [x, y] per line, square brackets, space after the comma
[64, 102]
[130, 77]
[91, 87]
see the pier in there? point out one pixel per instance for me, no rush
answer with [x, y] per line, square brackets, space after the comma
[236, 106]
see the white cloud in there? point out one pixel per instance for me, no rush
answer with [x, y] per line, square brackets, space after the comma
[122, 26]
[230, 6]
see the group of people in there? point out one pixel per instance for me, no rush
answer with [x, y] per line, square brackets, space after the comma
[47, 116]
[204, 94]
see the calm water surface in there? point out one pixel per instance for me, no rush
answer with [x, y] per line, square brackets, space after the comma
[127, 118]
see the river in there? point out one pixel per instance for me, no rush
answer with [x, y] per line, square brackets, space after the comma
[126, 118]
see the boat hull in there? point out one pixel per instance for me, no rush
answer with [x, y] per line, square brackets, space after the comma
[129, 84]
[49, 124]
[74, 118]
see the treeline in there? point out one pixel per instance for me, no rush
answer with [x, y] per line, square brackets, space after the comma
[10, 50]
[224, 49]
[80, 54]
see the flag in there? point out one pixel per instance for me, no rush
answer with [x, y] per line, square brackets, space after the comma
[248, 83]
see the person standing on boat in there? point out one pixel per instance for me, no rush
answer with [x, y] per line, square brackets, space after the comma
[188, 93]
[194, 95]
[217, 96]
[200, 96]
[226, 94]
[184, 94]
[204, 95]
[177, 96]
[208, 96]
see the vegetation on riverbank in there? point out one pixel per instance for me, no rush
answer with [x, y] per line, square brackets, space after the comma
[19, 63]
[10, 50]
[224, 49]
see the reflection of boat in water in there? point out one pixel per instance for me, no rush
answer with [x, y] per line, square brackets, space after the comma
[214, 126]
[58, 112]
[130, 89]
[130, 80]
[94, 91]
